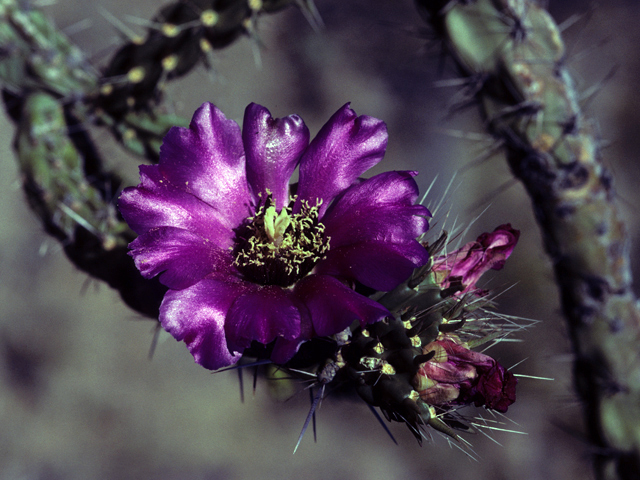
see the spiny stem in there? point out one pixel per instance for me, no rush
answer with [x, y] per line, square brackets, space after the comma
[514, 49]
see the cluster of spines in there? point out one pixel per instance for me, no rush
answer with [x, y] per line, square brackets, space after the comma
[381, 359]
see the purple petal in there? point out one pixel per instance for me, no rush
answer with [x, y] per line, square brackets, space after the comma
[284, 349]
[497, 388]
[273, 148]
[378, 265]
[158, 203]
[207, 160]
[333, 306]
[345, 147]
[183, 256]
[262, 315]
[197, 316]
[379, 209]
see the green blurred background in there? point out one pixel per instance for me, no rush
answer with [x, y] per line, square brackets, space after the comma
[79, 399]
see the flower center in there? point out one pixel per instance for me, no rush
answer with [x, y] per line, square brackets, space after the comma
[280, 248]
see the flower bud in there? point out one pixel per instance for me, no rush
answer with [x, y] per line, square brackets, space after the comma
[461, 269]
[456, 375]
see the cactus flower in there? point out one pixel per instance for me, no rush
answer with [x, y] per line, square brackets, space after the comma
[456, 375]
[461, 269]
[244, 259]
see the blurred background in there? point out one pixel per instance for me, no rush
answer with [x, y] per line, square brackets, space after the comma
[80, 399]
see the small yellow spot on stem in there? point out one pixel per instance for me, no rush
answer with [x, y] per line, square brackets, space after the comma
[170, 30]
[106, 89]
[136, 74]
[387, 368]
[370, 363]
[209, 18]
[170, 62]
[205, 45]
[255, 5]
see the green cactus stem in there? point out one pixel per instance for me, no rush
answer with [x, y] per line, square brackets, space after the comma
[73, 197]
[514, 49]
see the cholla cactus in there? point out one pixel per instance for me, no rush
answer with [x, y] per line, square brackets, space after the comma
[254, 268]
[274, 253]
[254, 271]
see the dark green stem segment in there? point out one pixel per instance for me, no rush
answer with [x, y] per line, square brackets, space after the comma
[182, 35]
[513, 53]
[72, 195]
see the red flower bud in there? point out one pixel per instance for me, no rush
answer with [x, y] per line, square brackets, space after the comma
[459, 376]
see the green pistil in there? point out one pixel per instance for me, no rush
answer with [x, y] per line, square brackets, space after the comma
[280, 248]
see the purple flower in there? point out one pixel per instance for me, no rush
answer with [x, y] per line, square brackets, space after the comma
[243, 259]
[464, 267]
[459, 376]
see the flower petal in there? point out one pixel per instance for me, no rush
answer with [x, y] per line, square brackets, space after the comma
[378, 265]
[207, 160]
[440, 394]
[157, 202]
[273, 148]
[284, 349]
[345, 147]
[197, 315]
[262, 314]
[448, 372]
[379, 209]
[183, 256]
[333, 306]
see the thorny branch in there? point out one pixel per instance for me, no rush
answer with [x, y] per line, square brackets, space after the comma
[528, 101]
